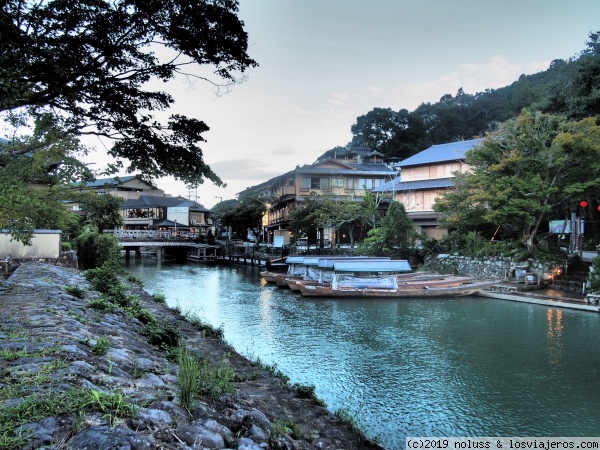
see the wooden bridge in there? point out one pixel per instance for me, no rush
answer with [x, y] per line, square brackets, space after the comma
[167, 244]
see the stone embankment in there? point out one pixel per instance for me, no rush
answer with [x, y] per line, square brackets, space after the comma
[79, 377]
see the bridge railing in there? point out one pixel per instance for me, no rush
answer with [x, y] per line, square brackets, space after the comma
[154, 234]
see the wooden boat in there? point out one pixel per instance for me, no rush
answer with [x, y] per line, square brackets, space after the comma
[384, 279]
[203, 253]
[411, 280]
[407, 292]
[319, 269]
[268, 276]
[292, 263]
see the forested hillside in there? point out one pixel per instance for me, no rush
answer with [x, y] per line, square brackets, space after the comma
[570, 88]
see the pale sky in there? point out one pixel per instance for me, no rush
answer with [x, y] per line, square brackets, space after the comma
[323, 63]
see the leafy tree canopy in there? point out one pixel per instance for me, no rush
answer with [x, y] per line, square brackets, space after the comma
[395, 235]
[89, 65]
[245, 213]
[531, 169]
[35, 172]
[570, 88]
[102, 211]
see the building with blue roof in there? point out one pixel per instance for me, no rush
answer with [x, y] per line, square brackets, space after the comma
[423, 178]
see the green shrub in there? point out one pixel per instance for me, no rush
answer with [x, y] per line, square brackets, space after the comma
[308, 392]
[101, 347]
[105, 277]
[94, 249]
[101, 304]
[135, 279]
[165, 336]
[66, 246]
[159, 297]
[75, 291]
[143, 315]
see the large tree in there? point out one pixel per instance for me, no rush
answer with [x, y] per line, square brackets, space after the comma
[585, 101]
[36, 172]
[531, 169]
[90, 64]
[393, 133]
[395, 236]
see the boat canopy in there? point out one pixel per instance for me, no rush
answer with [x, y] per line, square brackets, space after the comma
[294, 259]
[316, 260]
[357, 266]
[329, 263]
[312, 261]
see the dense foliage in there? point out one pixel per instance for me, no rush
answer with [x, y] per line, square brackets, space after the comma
[90, 65]
[394, 237]
[530, 170]
[570, 88]
[243, 215]
[35, 173]
[95, 249]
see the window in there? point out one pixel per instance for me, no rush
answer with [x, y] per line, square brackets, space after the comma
[365, 183]
[378, 182]
[337, 182]
[315, 183]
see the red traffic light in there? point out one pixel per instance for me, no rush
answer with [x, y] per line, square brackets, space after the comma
[583, 203]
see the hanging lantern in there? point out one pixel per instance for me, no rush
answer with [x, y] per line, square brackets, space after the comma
[583, 203]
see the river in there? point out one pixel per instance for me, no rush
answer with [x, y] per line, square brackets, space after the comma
[468, 366]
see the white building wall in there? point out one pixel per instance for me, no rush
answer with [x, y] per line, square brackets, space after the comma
[45, 245]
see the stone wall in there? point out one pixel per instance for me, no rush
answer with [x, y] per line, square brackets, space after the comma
[500, 268]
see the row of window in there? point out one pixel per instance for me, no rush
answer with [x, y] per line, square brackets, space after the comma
[325, 183]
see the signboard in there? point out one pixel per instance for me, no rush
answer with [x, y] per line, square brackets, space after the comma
[564, 226]
[278, 241]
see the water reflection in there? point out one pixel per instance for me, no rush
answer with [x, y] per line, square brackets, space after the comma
[555, 331]
[453, 367]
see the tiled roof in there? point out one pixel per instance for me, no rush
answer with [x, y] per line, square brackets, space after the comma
[115, 181]
[398, 186]
[151, 201]
[453, 151]
[353, 169]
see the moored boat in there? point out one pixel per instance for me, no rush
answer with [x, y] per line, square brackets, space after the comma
[319, 269]
[391, 278]
[202, 253]
[469, 288]
[293, 269]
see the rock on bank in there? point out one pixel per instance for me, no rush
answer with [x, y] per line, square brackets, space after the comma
[81, 377]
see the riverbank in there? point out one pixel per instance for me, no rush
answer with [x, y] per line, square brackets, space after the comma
[81, 374]
[540, 296]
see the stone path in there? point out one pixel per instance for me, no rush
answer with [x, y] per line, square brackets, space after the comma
[50, 360]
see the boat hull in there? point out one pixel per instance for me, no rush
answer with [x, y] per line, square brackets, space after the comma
[407, 292]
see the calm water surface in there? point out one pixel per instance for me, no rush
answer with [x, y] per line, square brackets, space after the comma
[448, 367]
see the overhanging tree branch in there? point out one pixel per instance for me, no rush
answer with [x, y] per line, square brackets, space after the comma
[92, 60]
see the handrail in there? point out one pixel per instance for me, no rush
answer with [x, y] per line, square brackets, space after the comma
[154, 234]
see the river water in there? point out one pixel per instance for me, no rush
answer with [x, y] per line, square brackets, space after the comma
[468, 366]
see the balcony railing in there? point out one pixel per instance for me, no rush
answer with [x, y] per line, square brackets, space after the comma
[124, 235]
